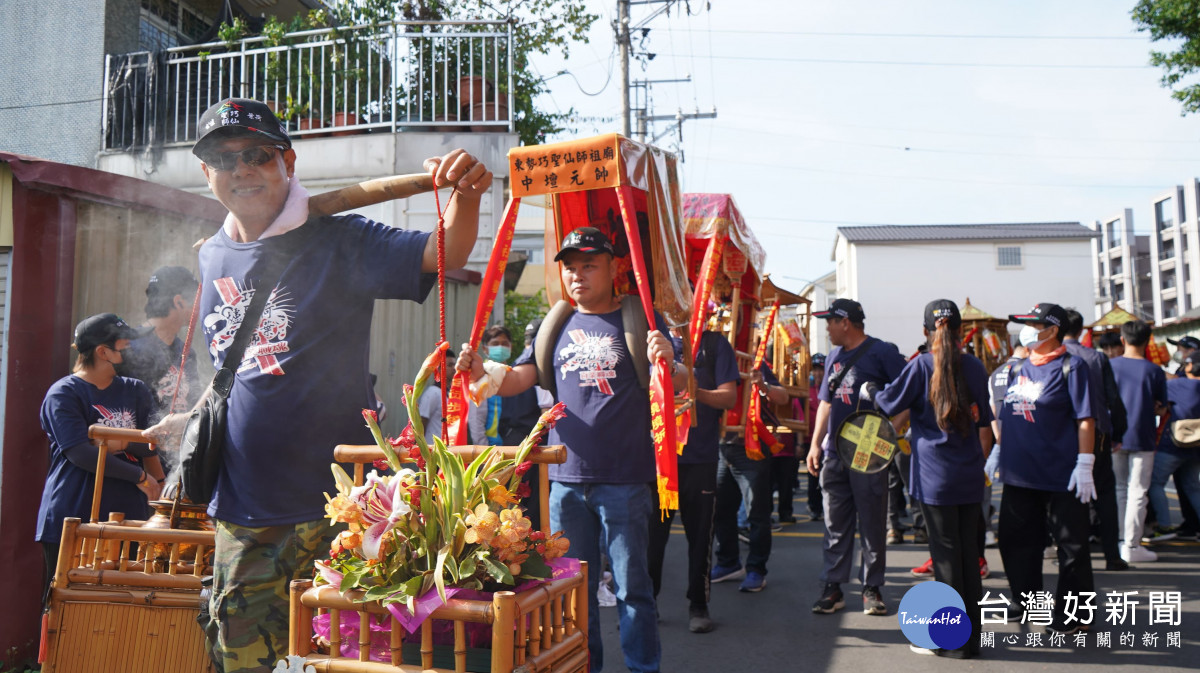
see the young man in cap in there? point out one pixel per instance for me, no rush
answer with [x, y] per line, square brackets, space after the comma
[1048, 438]
[850, 497]
[1190, 527]
[1186, 345]
[1109, 412]
[1143, 388]
[95, 395]
[154, 357]
[303, 379]
[604, 493]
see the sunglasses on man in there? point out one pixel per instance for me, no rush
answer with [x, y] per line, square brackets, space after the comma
[251, 156]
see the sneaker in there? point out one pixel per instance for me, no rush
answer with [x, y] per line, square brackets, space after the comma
[1160, 535]
[923, 570]
[1116, 565]
[1071, 630]
[775, 528]
[726, 573]
[1138, 555]
[873, 602]
[815, 516]
[989, 539]
[895, 537]
[984, 573]
[698, 620]
[1050, 552]
[831, 600]
[917, 649]
[744, 535]
[753, 583]
[1189, 535]
[787, 519]
[920, 536]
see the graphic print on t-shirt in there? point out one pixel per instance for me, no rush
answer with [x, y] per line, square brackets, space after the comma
[268, 341]
[1023, 396]
[846, 387]
[116, 418]
[165, 389]
[594, 356]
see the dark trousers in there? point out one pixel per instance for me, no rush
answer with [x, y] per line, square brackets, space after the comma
[1026, 516]
[784, 479]
[697, 498]
[1191, 522]
[739, 477]
[954, 532]
[899, 474]
[816, 503]
[1106, 498]
[50, 556]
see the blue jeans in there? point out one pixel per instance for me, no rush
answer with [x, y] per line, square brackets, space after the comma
[617, 517]
[742, 480]
[1165, 464]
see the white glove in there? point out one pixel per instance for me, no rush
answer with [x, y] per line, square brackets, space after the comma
[1081, 478]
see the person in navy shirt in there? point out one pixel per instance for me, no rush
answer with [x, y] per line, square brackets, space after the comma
[1143, 387]
[1183, 396]
[303, 380]
[717, 376]
[155, 357]
[946, 392]
[850, 496]
[1048, 435]
[95, 395]
[603, 496]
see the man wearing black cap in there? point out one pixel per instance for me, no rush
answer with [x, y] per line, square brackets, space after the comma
[850, 497]
[1048, 438]
[303, 379]
[1185, 345]
[154, 357]
[602, 497]
[1190, 527]
[95, 394]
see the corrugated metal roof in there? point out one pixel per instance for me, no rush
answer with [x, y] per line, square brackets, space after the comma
[966, 232]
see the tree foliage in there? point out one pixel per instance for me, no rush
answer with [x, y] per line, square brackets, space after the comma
[519, 311]
[540, 27]
[1174, 20]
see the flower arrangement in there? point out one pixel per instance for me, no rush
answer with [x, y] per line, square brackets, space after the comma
[441, 524]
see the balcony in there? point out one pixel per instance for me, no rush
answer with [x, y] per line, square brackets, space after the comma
[401, 76]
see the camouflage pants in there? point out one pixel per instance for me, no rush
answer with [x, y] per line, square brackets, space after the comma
[247, 619]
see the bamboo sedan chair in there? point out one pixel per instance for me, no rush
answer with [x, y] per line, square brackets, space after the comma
[125, 598]
[543, 629]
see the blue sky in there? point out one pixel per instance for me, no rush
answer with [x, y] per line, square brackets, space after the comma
[957, 112]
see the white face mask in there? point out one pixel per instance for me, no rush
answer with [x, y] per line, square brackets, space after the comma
[1029, 337]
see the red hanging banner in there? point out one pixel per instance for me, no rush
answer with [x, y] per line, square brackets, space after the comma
[704, 285]
[493, 278]
[753, 421]
[662, 393]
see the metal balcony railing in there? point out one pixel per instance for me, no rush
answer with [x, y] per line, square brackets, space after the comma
[406, 75]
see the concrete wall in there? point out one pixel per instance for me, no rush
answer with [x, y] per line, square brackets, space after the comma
[895, 281]
[52, 76]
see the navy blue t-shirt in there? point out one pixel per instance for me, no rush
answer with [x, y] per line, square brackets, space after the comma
[157, 365]
[1038, 423]
[1184, 398]
[70, 406]
[947, 467]
[881, 364]
[716, 363]
[1142, 383]
[607, 428]
[303, 381]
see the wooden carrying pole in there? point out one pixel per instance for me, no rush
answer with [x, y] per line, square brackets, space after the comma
[369, 193]
[102, 435]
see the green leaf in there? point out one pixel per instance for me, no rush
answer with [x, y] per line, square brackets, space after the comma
[498, 570]
[535, 567]
[439, 579]
[378, 593]
[467, 566]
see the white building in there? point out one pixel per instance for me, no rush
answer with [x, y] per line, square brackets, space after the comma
[821, 292]
[1119, 261]
[1174, 255]
[893, 271]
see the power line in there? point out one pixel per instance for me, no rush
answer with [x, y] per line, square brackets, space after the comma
[65, 102]
[935, 64]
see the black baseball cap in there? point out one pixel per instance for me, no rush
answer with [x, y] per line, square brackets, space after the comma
[168, 281]
[102, 330]
[238, 118]
[843, 308]
[1185, 342]
[942, 308]
[818, 360]
[588, 240]
[1042, 314]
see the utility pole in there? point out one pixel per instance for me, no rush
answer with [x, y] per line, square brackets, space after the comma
[623, 41]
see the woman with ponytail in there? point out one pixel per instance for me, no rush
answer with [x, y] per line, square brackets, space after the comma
[946, 392]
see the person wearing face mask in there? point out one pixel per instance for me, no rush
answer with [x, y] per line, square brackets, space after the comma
[1048, 434]
[483, 420]
[95, 395]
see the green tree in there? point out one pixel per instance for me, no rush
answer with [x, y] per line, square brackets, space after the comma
[1174, 20]
[519, 311]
